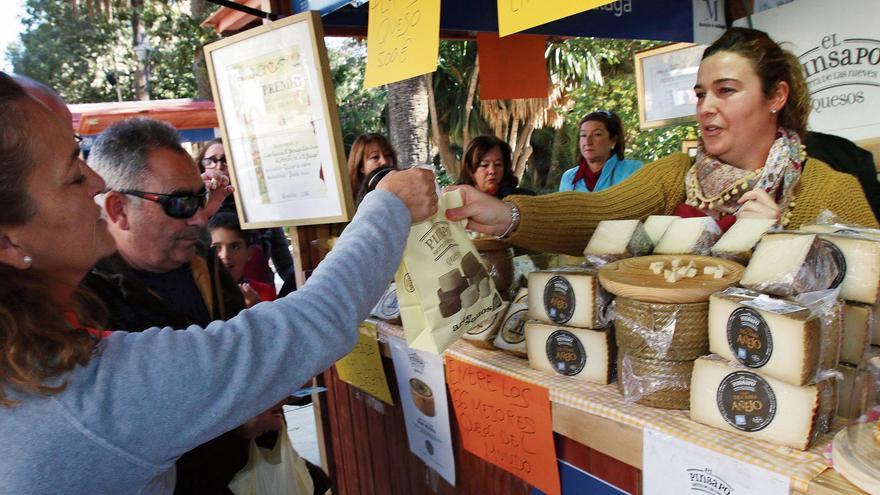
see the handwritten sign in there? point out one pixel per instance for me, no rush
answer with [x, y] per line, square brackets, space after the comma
[362, 367]
[517, 15]
[506, 422]
[673, 466]
[403, 40]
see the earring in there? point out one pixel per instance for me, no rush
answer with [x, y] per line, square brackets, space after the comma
[773, 110]
[27, 260]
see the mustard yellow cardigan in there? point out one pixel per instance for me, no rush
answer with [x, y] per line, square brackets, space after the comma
[564, 222]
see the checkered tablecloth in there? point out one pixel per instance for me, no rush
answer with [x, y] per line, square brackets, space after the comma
[607, 402]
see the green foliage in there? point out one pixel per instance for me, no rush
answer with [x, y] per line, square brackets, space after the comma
[360, 110]
[80, 54]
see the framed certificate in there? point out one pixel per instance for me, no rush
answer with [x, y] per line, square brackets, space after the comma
[665, 79]
[279, 122]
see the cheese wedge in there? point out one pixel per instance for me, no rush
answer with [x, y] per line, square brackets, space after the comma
[861, 281]
[656, 225]
[568, 296]
[387, 308]
[778, 338]
[511, 333]
[484, 334]
[739, 240]
[790, 264]
[689, 236]
[576, 352]
[744, 402]
[618, 239]
[856, 342]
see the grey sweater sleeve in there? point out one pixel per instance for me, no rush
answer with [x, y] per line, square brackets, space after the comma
[155, 394]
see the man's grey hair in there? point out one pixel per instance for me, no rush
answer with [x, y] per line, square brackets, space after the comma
[121, 153]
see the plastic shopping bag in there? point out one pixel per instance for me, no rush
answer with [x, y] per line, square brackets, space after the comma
[280, 471]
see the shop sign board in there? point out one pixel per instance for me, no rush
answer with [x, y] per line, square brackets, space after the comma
[425, 407]
[362, 367]
[517, 15]
[403, 40]
[838, 46]
[506, 422]
[672, 466]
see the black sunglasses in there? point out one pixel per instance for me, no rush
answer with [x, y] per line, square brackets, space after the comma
[181, 205]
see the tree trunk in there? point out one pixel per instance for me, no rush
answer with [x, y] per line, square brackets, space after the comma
[555, 170]
[199, 67]
[440, 137]
[408, 120]
[522, 150]
[469, 105]
[141, 90]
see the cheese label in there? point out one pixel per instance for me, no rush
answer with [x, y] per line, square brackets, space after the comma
[512, 329]
[388, 307]
[839, 260]
[559, 299]
[746, 401]
[565, 353]
[749, 337]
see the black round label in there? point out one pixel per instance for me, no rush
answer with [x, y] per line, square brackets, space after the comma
[749, 337]
[746, 401]
[559, 299]
[512, 329]
[565, 353]
[839, 260]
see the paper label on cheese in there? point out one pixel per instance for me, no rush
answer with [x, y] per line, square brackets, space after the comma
[512, 329]
[839, 259]
[749, 337]
[565, 353]
[767, 303]
[746, 401]
[559, 299]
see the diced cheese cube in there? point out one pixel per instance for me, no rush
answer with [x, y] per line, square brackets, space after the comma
[856, 342]
[657, 267]
[781, 340]
[741, 237]
[689, 236]
[676, 262]
[579, 353]
[691, 273]
[709, 270]
[764, 408]
[656, 225]
[616, 239]
[568, 296]
[861, 283]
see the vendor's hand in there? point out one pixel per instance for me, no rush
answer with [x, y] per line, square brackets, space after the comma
[271, 420]
[415, 187]
[758, 204]
[218, 188]
[250, 295]
[485, 214]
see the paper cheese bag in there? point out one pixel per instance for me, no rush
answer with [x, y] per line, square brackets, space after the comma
[443, 288]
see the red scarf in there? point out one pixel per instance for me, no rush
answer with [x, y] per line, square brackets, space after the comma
[73, 320]
[584, 172]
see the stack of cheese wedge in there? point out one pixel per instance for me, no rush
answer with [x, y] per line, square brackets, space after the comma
[568, 330]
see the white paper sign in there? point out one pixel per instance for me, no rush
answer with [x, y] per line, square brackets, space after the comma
[839, 48]
[422, 385]
[674, 467]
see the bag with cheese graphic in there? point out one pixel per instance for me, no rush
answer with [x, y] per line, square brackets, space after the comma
[443, 288]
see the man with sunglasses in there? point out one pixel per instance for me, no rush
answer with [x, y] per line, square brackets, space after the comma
[157, 206]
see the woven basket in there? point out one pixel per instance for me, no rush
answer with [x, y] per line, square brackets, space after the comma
[663, 384]
[644, 329]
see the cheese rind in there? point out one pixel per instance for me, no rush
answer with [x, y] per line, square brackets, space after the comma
[861, 281]
[744, 402]
[689, 236]
[568, 296]
[851, 387]
[739, 240]
[856, 342]
[511, 330]
[784, 344]
[656, 225]
[790, 264]
[576, 352]
[617, 239]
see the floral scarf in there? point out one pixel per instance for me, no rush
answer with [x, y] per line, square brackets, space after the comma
[712, 184]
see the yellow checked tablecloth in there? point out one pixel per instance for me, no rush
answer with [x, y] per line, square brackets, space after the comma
[605, 401]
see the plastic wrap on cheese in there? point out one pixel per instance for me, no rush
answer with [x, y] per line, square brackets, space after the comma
[786, 264]
[662, 331]
[654, 382]
[617, 239]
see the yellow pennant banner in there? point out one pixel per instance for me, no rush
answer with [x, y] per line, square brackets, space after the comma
[363, 368]
[517, 15]
[403, 39]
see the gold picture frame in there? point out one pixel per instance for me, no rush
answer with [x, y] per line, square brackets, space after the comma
[280, 126]
[665, 79]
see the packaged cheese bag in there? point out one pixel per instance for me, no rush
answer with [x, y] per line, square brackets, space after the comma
[443, 288]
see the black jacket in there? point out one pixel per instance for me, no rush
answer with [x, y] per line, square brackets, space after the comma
[132, 306]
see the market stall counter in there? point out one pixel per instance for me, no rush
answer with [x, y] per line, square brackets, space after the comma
[595, 430]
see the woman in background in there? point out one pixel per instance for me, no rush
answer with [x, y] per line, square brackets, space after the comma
[600, 161]
[487, 165]
[369, 152]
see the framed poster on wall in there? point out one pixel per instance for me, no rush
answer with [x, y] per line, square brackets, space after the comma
[279, 123]
[665, 79]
